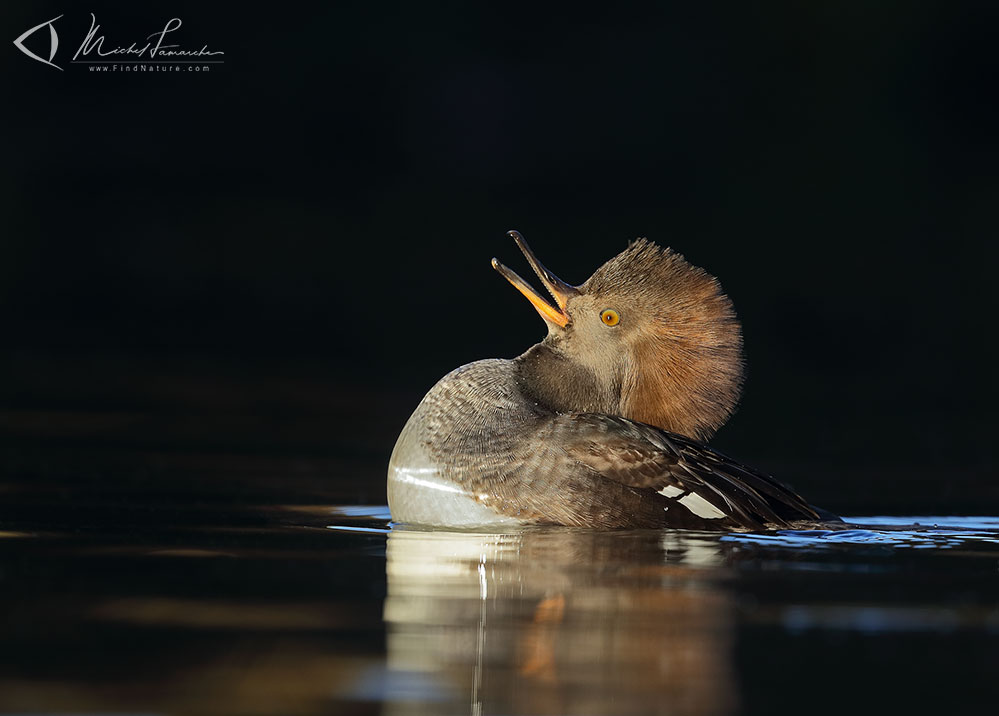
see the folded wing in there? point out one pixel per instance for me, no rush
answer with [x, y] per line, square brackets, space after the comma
[690, 476]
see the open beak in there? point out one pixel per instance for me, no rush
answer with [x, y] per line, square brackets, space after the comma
[559, 289]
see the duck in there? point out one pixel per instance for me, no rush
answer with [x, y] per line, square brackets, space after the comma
[604, 423]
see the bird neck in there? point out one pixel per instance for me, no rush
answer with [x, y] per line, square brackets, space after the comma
[693, 394]
[557, 382]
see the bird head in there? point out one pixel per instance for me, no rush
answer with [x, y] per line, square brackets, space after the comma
[648, 337]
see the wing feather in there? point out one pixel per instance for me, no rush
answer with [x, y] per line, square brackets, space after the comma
[639, 455]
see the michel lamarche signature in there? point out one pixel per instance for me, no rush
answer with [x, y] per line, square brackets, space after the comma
[155, 45]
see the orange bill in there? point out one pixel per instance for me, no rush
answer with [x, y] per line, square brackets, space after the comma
[559, 289]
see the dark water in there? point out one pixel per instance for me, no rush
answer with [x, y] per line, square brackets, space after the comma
[277, 609]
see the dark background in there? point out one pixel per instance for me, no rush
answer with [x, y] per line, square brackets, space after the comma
[241, 281]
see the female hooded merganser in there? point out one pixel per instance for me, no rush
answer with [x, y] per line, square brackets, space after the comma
[600, 424]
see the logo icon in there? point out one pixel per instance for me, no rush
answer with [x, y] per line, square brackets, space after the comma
[53, 38]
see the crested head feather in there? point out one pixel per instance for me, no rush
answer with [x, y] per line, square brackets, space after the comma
[685, 365]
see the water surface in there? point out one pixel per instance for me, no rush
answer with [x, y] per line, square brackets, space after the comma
[265, 609]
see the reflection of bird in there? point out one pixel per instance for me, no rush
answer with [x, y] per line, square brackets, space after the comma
[560, 621]
[587, 428]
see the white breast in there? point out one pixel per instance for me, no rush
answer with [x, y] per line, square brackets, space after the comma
[418, 493]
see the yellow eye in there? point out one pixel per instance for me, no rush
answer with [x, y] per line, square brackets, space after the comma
[609, 317]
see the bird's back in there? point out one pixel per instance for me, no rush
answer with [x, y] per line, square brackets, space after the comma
[479, 451]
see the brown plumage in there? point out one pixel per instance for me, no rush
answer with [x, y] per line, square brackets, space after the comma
[599, 424]
[684, 343]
